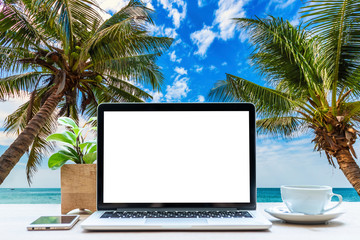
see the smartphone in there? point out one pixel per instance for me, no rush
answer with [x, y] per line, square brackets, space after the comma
[63, 222]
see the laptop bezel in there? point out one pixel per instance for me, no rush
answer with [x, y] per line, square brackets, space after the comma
[175, 107]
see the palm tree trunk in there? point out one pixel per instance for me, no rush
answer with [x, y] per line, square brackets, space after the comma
[22, 143]
[349, 167]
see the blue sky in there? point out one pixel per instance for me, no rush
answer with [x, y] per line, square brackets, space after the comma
[207, 45]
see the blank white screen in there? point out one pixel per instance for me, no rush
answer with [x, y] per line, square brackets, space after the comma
[176, 157]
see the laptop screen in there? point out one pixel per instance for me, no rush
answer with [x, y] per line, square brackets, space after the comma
[176, 157]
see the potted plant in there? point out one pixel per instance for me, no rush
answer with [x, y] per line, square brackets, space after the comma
[78, 181]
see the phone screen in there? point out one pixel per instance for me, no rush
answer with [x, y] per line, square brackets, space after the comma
[54, 220]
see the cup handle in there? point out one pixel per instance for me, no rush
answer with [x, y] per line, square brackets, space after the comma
[340, 201]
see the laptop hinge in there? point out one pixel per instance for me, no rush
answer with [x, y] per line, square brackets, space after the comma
[175, 209]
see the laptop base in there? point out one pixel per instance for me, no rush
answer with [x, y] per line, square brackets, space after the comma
[95, 223]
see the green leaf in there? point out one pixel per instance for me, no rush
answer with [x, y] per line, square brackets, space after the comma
[72, 154]
[90, 157]
[66, 153]
[85, 146]
[93, 148]
[77, 131]
[67, 122]
[66, 137]
[92, 119]
[57, 160]
[94, 128]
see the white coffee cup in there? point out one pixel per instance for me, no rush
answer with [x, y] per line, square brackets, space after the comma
[308, 199]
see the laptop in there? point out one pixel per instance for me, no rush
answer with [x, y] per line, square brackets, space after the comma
[176, 166]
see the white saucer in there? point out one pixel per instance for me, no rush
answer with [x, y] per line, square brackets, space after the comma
[283, 213]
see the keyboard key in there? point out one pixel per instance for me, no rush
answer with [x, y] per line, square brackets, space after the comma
[177, 214]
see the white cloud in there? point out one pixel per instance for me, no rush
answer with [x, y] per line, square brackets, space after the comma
[212, 68]
[280, 4]
[198, 68]
[295, 21]
[223, 26]
[176, 42]
[170, 32]
[104, 15]
[224, 64]
[249, 62]
[174, 92]
[178, 90]
[284, 4]
[243, 36]
[228, 9]
[110, 5]
[173, 57]
[180, 70]
[201, 3]
[114, 6]
[149, 5]
[162, 31]
[157, 96]
[201, 98]
[203, 39]
[176, 9]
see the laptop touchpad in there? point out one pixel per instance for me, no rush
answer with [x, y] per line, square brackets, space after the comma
[176, 221]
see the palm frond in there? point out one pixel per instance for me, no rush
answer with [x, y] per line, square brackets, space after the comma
[127, 87]
[66, 14]
[124, 36]
[120, 95]
[16, 28]
[279, 126]
[115, 90]
[134, 10]
[351, 110]
[18, 85]
[351, 82]
[141, 69]
[121, 40]
[117, 94]
[267, 101]
[337, 24]
[284, 54]
[9, 60]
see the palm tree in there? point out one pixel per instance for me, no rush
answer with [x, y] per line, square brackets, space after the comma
[68, 59]
[313, 78]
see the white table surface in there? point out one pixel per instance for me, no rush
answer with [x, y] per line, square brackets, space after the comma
[15, 217]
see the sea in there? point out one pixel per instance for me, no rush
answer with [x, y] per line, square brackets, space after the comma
[53, 195]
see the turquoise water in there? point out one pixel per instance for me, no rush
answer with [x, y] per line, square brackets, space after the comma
[52, 195]
[30, 195]
[273, 194]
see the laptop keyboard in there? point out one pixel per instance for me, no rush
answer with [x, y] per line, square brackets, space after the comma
[176, 214]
